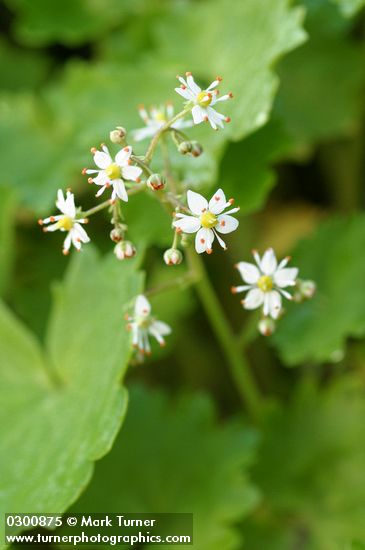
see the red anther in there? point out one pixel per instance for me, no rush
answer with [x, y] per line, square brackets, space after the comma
[107, 184]
[86, 220]
[233, 290]
[178, 230]
[206, 119]
[128, 327]
[223, 223]
[231, 201]
[65, 252]
[216, 92]
[227, 119]
[126, 148]
[219, 78]
[188, 73]
[183, 87]
[40, 222]
[145, 310]
[202, 241]
[209, 94]
[217, 198]
[230, 94]
[93, 150]
[112, 202]
[45, 229]
[69, 189]
[243, 302]
[209, 250]
[138, 180]
[162, 344]
[129, 162]
[83, 171]
[52, 218]
[90, 180]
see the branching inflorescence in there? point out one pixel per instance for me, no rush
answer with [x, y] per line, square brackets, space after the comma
[196, 222]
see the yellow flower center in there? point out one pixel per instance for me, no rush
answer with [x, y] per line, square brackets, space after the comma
[208, 220]
[65, 223]
[204, 99]
[113, 171]
[265, 283]
[160, 117]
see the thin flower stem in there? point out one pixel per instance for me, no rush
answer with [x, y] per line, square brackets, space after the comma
[142, 164]
[238, 365]
[156, 137]
[132, 191]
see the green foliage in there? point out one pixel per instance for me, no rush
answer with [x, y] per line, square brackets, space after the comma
[65, 401]
[175, 458]
[7, 222]
[315, 101]
[317, 330]
[310, 469]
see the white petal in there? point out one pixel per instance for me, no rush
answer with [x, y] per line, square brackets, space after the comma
[143, 133]
[162, 328]
[286, 277]
[254, 299]
[197, 203]
[268, 262]
[131, 172]
[218, 202]
[102, 160]
[193, 85]
[249, 272]
[226, 224]
[215, 117]
[274, 303]
[220, 240]
[204, 240]
[101, 191]
[142, 306]
[122, 157]
[198, 114]
[120, 190]
[81, 233]
[60, 202]
[187, 224]
[101, 178]
[266, 308]
[67, 242]
[69, 206]
[185, 93]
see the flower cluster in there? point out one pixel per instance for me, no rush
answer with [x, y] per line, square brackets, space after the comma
[124, 174]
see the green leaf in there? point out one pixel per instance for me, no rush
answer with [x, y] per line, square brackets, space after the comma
[174, 457]
[71, 22]
[7, 228]
[334, 259]
[310, 470]
[349, 7]
[322, 81]
[65, 401]
[245, 171]
[21, 69]
[240, 41]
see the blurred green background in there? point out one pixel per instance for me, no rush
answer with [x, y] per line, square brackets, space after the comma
[293, 159]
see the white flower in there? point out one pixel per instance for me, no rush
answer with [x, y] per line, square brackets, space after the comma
[67, 221]
[143, 325]
[207, 219]
[155, 119]
[203, 101]
[112, 173]
[266, 282]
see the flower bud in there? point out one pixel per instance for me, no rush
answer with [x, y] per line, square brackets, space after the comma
[124, 250]
[156, 182]
[266, 326]
[172, 256]
[196, 149]
[185, 147]
[308, 289]
[118, 135]
[116, 234]
[305, 290]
